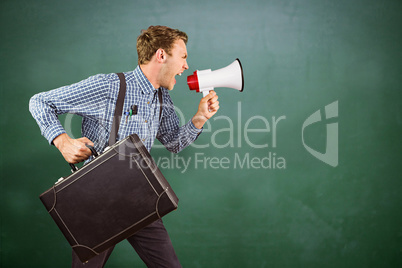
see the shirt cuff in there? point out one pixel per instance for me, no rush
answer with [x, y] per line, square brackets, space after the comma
[192, 130]
[52, 131]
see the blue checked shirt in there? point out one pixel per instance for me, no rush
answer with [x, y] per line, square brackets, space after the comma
[95, 98]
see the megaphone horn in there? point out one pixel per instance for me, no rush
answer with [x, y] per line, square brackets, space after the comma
[230, 76]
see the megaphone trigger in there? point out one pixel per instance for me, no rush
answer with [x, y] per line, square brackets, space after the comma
[230, 76]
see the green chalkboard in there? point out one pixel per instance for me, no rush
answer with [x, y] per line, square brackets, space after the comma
[298, 170]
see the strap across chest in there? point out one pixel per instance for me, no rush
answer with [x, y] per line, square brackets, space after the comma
[119, 108]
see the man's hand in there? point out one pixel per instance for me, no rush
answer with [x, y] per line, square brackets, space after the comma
[208, 106]
[73, 150]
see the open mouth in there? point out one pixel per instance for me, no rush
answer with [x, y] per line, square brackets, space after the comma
[175, 77]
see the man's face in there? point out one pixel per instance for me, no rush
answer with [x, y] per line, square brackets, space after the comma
[174, 65]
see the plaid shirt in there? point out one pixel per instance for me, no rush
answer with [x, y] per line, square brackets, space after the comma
[95, 98]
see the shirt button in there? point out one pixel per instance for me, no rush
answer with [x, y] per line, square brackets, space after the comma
[146, 121]
[148, 102]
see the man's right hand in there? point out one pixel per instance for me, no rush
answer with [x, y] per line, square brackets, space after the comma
[73, 150]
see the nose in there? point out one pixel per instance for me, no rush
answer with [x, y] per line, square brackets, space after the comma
[185, 65]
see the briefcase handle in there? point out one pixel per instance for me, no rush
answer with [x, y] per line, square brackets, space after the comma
[94, 153]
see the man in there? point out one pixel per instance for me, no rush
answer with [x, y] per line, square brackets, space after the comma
[162, 55]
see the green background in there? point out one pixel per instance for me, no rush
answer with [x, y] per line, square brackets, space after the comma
[298, 57]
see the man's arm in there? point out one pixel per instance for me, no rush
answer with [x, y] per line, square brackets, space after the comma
[85, 98]
[176, 138]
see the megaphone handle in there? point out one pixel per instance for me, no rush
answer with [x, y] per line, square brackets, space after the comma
[205, 93]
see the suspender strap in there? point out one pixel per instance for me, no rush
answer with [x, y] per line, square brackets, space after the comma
[160, 103]
[118, 110]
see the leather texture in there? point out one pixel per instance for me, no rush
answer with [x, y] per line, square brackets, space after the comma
[110, 198]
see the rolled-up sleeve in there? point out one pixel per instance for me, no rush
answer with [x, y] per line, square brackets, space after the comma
[170, 134]
[81, 98]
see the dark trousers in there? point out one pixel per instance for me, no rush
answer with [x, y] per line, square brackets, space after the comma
[152, 244]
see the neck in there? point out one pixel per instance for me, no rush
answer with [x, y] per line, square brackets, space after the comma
[151, 72]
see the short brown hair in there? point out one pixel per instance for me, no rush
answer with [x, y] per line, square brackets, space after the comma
[156, 37]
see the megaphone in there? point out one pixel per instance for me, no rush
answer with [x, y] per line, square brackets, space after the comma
[230, 76]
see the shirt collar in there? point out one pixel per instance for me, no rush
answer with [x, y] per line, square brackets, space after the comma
[146, 86]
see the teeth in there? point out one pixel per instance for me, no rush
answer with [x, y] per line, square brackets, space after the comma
[180, 74]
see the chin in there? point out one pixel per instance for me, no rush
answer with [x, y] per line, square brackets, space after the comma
[170, 87]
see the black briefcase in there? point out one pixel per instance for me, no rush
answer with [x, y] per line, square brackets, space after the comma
[110, 198]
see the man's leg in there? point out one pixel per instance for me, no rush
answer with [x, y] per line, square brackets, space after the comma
[96, 262]
[154, 247]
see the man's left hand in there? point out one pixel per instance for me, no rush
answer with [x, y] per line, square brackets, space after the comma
[208, 106]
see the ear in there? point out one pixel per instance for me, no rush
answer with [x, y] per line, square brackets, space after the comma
[160, 55]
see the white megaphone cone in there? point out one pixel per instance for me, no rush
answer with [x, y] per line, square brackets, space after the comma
[230, 76]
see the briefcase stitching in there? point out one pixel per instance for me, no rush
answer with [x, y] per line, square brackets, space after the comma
[157, 203]
[149, 182]
[125, 230]
[72, 236]
[83, 246]
[155, 170]
[87, 171]
[54, 200]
